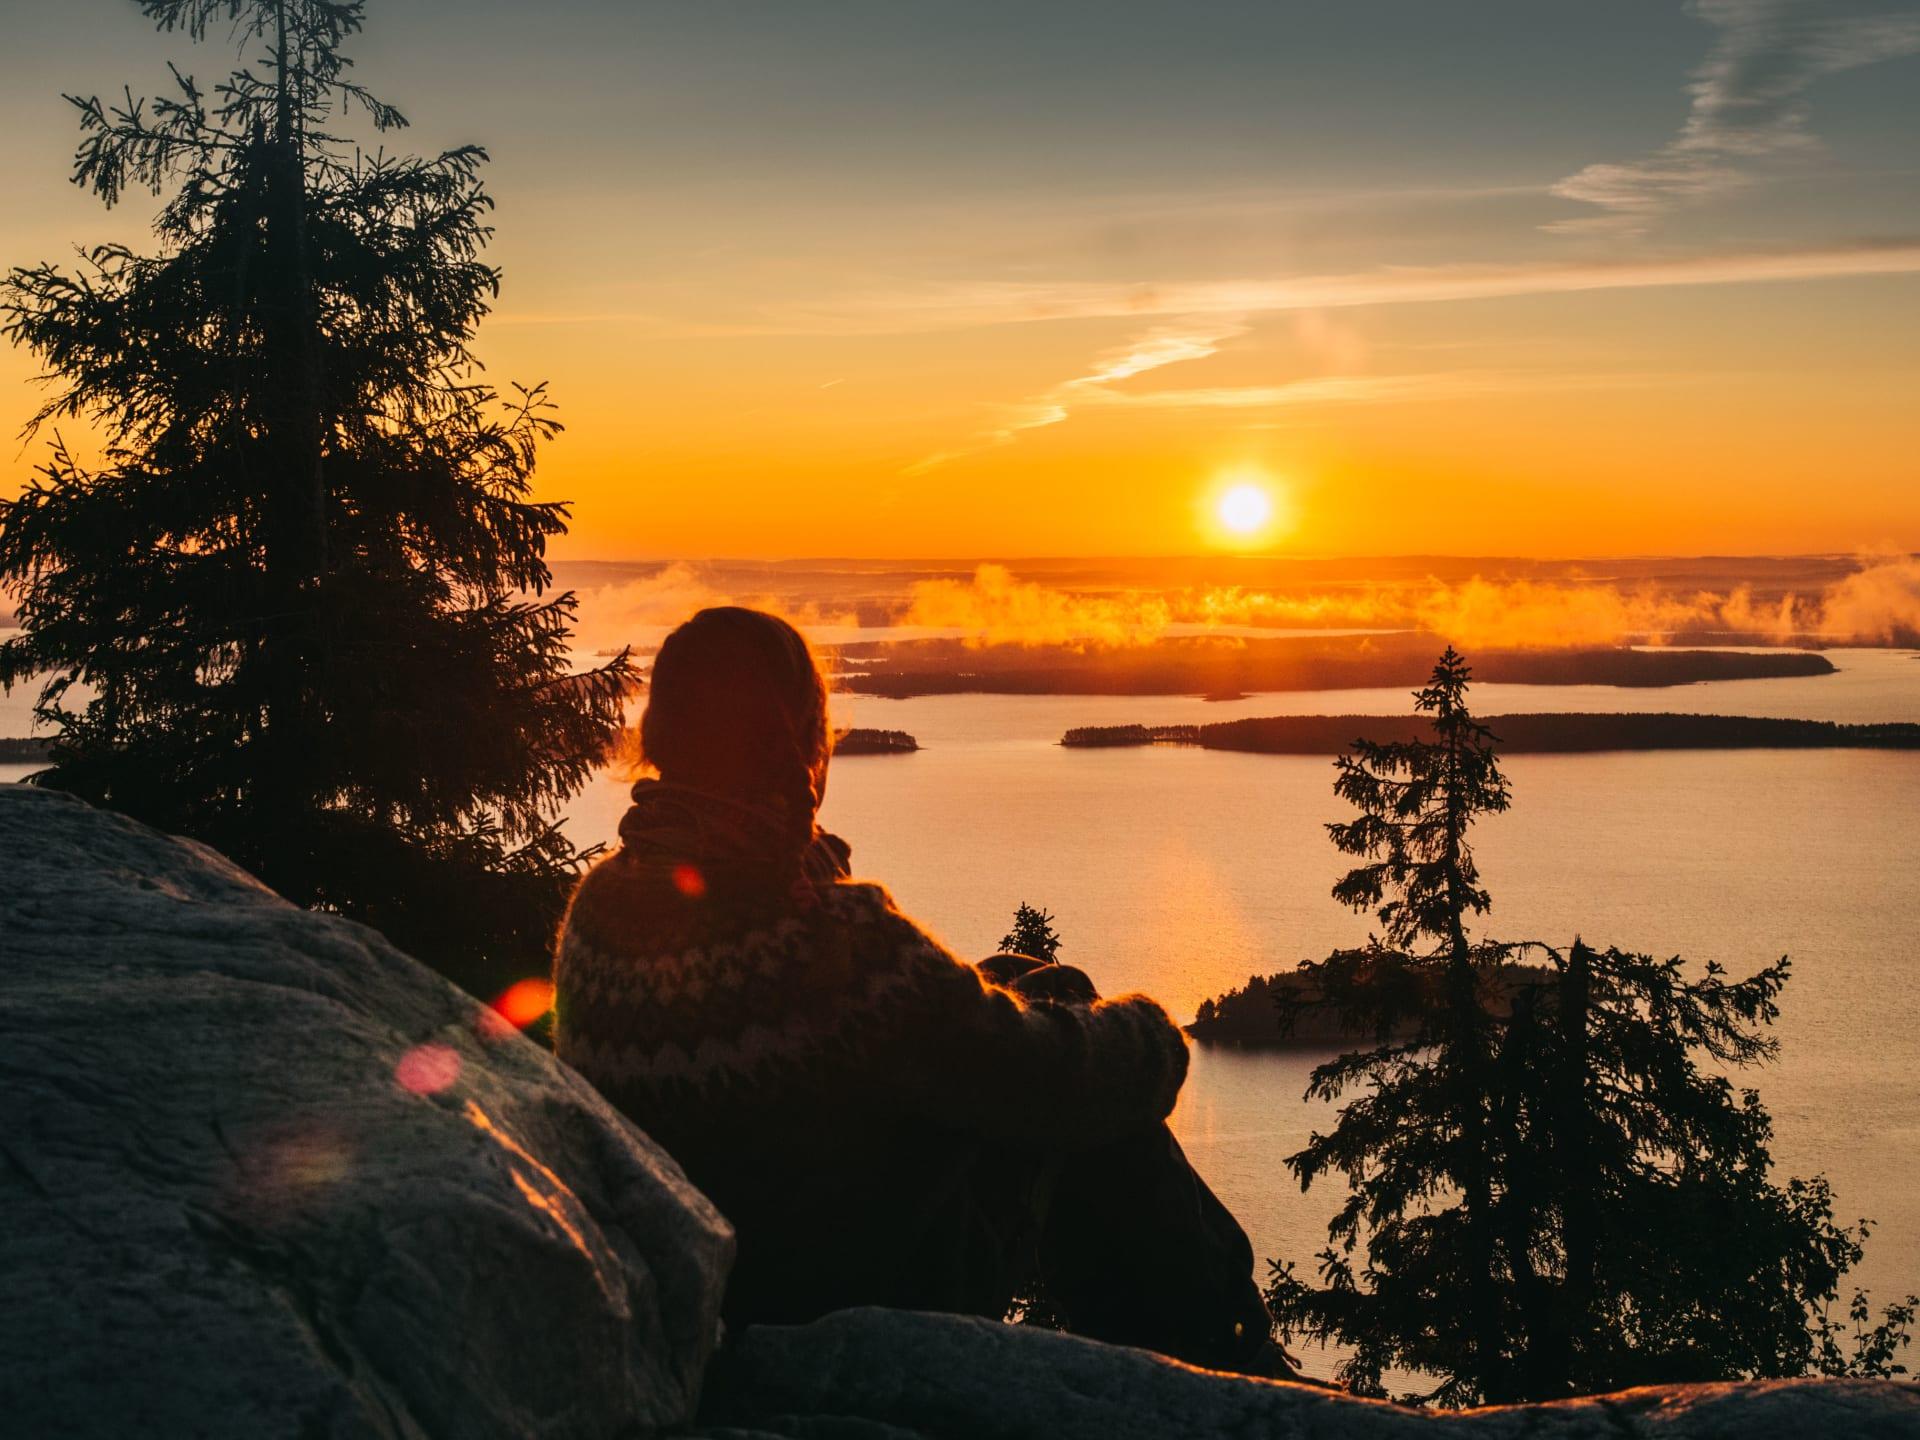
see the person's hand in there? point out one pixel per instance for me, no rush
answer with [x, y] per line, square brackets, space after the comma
[1007, 970]
[1047, 981]
[1056, 984]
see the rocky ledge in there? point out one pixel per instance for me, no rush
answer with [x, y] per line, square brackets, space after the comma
[261, 1174]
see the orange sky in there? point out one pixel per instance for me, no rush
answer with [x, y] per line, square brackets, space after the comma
[1738, 417]
[866, 282]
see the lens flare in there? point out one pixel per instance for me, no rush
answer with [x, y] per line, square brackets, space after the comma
[525, 1001]
[427, 1069]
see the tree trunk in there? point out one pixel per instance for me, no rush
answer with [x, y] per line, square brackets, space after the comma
[1468, 1043]
[1524, 1205]
[302, 484]
[295, 499]
[1573, 1130]
[1476, 1180]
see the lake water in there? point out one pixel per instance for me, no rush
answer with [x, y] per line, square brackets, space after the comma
[1181, 872]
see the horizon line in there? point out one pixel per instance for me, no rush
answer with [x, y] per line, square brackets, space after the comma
[1236, 557]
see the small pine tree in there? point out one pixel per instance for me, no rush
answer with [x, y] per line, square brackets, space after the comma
[298, 611]
[1539, 1141]
[1032, 935]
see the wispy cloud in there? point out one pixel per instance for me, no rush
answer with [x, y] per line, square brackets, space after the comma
[1158, 347]
[1748, 105]
[1378, 389]
[1316, 390]
[1212, 312]
[957, 306]
[933, 308]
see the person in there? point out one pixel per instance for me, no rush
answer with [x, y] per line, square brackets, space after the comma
[883, 1123]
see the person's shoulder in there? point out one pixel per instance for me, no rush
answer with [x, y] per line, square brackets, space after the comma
[609, 876]
[612, 898]
[867, 903]
[856, 899]
[864, 915]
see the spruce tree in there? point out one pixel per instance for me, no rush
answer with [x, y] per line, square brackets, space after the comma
[1646, 1236]
[1032, 935]
[300, 609]
[1554, 1196]
[1417, 801]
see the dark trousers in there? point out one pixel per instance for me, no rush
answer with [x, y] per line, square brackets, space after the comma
[1125, 1242]
[1135, 1249]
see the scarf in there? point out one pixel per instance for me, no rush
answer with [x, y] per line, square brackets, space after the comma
[701, 839]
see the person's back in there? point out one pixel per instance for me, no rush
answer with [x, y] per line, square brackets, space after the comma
[881, 1123]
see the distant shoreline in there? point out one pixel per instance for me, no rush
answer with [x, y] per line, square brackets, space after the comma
[1215, 667]
[1518, 734]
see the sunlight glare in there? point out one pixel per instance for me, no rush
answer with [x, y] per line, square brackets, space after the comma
[1245, 509]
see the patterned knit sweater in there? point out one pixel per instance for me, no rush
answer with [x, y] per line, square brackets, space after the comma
[795, 1051]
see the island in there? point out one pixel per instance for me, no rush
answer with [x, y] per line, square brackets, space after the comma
[874, 742]
[1251, 1015]
[22, 751]
[1224, 666]
[1517, 734]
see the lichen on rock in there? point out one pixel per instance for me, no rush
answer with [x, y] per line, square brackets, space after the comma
[265, 1175]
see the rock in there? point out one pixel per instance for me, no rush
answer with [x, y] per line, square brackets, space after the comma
[263, 1175]
[886, 1373]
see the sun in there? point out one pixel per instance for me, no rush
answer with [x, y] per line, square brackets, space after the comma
[1245, 509]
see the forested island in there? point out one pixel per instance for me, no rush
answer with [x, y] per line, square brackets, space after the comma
[1279, 1010]
[1518, 734]
[22, 751]
[1226, 666]
[874, 742]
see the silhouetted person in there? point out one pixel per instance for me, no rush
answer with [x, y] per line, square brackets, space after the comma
[882, 1122]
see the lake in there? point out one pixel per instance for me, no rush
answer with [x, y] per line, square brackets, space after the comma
[1181, 872]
